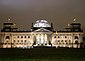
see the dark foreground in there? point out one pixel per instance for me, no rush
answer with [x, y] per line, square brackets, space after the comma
[42, 54]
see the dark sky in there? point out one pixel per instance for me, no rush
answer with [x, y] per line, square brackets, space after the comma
[60, 12]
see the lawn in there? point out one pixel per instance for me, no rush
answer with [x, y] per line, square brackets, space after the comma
[42, 54]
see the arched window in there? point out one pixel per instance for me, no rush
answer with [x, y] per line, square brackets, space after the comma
[58, 37]
[17, 40]
[7, 37]
[54, 36]
[65, 36]
[65, 40]
[58, 40]
[17, 36]
[69, 41]
[28, 36]
[24, 36]
[25, 40]
[76, 42]
[21, 40]
[76, 37]
[61, 40]
[14, 41]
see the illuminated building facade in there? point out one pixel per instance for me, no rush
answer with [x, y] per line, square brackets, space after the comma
[41, 34]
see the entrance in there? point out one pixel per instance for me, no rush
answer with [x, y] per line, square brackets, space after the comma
[41, 40]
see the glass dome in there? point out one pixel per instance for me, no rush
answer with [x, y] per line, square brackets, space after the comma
[41, 23]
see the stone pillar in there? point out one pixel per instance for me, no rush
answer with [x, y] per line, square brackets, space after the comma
[45, 37]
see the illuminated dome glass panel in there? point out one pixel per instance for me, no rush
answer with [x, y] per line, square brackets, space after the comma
[41, 23]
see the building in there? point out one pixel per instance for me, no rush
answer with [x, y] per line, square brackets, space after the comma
[41, 34]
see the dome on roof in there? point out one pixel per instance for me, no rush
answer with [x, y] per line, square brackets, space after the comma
[41, 23]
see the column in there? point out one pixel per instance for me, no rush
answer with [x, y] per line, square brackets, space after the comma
[42, 39]
[45, 38]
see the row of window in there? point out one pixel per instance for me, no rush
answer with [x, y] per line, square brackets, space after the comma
[60, 36]
[76, 37]
[7, 37]
[23, 36]
[20, 41]
[63, 41]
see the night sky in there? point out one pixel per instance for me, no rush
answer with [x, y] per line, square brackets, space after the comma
[60, 12]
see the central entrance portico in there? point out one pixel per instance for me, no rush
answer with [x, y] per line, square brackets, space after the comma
[42, 37]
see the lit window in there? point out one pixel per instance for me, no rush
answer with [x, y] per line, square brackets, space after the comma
[62, 36]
